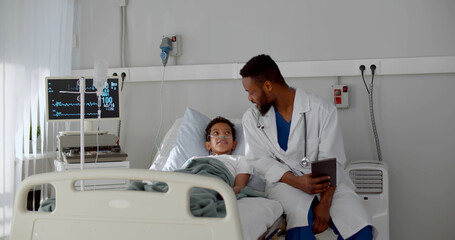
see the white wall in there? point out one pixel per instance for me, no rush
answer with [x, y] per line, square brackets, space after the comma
[414, 113]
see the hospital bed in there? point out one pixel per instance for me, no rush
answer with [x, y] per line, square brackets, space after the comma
[121, 214]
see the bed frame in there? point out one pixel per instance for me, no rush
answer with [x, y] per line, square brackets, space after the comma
[119, 214]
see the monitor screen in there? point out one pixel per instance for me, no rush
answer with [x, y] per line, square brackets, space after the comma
[62, 97]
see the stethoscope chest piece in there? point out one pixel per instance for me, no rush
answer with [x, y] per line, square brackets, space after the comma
[305, 162]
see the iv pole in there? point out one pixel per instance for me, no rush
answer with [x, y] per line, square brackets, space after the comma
[99, 81]
[82, 137]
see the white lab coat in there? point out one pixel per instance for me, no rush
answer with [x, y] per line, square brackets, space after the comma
[324, 140]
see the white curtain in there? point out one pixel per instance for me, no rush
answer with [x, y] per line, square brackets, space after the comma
[35, 42]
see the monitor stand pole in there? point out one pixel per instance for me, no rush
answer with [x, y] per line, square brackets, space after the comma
[82, 137]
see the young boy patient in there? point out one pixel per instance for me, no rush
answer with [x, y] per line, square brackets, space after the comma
[220, 142]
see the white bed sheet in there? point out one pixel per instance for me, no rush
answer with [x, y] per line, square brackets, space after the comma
[257, 215]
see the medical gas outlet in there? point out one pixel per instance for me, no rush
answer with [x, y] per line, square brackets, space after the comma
[175, 44]
[340, 96]
[170, 46]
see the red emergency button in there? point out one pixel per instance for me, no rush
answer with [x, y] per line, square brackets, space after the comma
[337, 100]
[337, 92]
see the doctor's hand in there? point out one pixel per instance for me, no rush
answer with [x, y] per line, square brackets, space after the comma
[321, 212]
[321, 218]
[307, 183]
[313, 185]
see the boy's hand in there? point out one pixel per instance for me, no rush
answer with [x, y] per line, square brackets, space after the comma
[236, 189]
[241, 180]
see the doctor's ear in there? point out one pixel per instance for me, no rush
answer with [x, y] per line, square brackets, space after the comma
[267, 86]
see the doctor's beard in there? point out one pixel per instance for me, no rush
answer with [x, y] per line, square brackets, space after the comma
[263, 106]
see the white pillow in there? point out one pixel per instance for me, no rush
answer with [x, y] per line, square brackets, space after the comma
[166, 146]
[191, 138]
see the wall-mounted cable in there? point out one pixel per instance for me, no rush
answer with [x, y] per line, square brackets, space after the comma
[362, 70]
[123, 37]
[371, 105]
[166, 47]
[119, 126]
[123, 33]
[161, 117]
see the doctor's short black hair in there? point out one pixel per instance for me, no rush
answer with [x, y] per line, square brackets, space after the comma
[262, 68]
[216, 120]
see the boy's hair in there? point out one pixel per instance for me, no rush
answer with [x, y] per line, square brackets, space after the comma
[262, 68]
[215, 121]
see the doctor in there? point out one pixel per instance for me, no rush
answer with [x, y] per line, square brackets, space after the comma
[286, 131]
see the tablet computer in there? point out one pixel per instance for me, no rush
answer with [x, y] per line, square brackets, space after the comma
[325, 167]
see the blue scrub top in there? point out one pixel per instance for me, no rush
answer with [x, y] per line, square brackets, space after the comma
[283, 128]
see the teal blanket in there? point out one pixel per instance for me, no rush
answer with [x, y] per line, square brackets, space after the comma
[203, 202]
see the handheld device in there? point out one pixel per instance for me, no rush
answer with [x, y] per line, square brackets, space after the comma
[325, 167]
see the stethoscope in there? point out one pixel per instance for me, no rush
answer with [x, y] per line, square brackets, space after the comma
[305, 162]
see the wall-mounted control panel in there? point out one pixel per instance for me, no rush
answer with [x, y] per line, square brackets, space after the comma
[340, 95]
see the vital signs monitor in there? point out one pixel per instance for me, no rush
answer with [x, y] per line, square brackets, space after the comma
[62, 98]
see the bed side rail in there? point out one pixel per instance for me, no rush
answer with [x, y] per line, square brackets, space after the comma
[119, 214]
